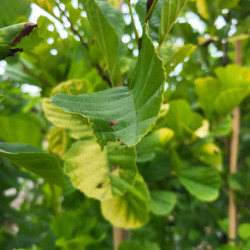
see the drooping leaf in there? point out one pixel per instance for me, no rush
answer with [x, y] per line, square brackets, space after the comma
[170, 12]
[201, 182]
[129, 210]
[124, 112]
[162, 202]
[77, 126]
[101, 174]
[107, 38]
[133, 244]
[35, 160]
[18, 37]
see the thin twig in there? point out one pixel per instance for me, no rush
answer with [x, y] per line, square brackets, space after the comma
[133, 22]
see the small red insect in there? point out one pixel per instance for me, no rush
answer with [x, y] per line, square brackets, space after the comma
[113, 122]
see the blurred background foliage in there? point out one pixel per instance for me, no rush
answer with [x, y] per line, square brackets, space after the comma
[187, 150]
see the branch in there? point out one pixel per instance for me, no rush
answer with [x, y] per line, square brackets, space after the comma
[151, 10]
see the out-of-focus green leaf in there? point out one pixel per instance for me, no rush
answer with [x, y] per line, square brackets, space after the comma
[228, 100]
[58, 141]
[133, 244]
[201, 182]
[223, 128]
[35, 160]
[202, 7]
[157, 140]
[113, 16]
[178, 118]
[129, 210]
[233, 76]
[170, 62]
[229, 4]
[75, 125]
[244, 230]
[162, 202]
[239, 181]
[170, 12]
[101, 174]
[12, 12]
[107, 38]
[209, 153]
[123, 113]
[207, 90]
[72, 87]
[16, 130]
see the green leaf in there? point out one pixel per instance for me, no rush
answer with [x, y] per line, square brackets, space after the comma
[202, 7]
[107, 38]
[149, 144]
[75, 125]
[112, 172]
[124, 112]
[228, 100]
[113, 16]
[17, 34]
[162, 202]
[170, 12]
[72, 87]
[208, 153]
[58, 141]
[207, 90]
[35, 160]
[12, 12]
[223, 128]
[201, 182]
[129, 210]
[17, 130]
[233, 76]
[170, 62]
[239, 181]
[134, 244]
[244, 230]
[179, 118]
[229, 4]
